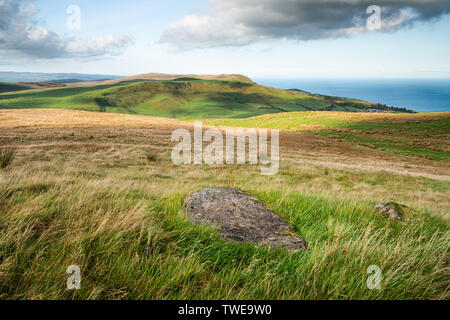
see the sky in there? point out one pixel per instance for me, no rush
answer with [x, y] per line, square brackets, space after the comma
[258, 38]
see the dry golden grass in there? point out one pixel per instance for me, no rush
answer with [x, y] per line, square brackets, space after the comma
[92, 141]
[100, 191]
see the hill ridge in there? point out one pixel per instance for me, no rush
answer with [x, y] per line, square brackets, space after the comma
[165, 77]
[182, 96]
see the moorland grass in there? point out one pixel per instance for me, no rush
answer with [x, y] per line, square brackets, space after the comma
[419, 135]
[133, 245]
[120, 217]
[103, 194]
[6, 157]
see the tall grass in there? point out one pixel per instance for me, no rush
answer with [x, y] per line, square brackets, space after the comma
[131, 245]
[99, 204]
[7, 156]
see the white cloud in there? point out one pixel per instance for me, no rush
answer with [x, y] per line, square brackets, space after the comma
[20, 35]
[194, 31]
[241, 22]
[109, 44]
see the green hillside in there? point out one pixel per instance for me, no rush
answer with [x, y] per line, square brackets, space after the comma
[185, 98]
[12, 87]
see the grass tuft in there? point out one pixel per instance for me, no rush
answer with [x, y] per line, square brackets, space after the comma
[7, 156]
[151, 156]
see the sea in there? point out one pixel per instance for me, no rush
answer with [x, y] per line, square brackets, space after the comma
[429, 95]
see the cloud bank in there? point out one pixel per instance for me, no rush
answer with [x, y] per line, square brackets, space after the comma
[242, 22]
[20, 34]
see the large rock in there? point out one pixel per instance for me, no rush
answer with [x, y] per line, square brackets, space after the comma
[391, 210]
[241, 218]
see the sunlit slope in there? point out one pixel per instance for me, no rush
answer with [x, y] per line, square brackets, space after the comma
[164, 77]
[184, 98]
[301, 121]
[425, 135]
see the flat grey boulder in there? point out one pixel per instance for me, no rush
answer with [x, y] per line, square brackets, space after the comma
[391, 210]
[241, 218]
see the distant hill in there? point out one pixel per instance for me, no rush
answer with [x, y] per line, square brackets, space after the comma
[45, 77]
[12, 87]
[185, 97]
[164, 76]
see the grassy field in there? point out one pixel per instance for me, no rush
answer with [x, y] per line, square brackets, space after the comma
[99, 190]
[184, 98]
[421, 135]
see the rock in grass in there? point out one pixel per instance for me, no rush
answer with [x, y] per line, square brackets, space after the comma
[391, 210]
[242, 218]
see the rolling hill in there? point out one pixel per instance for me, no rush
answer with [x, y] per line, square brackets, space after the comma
[164, 77]
[185, 97]
[12, 87]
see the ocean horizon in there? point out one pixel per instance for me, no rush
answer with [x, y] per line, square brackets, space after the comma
[422, 95]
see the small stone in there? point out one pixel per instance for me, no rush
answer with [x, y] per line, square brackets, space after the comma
[391, 210]
[241, 218]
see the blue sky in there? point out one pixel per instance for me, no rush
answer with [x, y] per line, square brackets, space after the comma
[415, 50]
